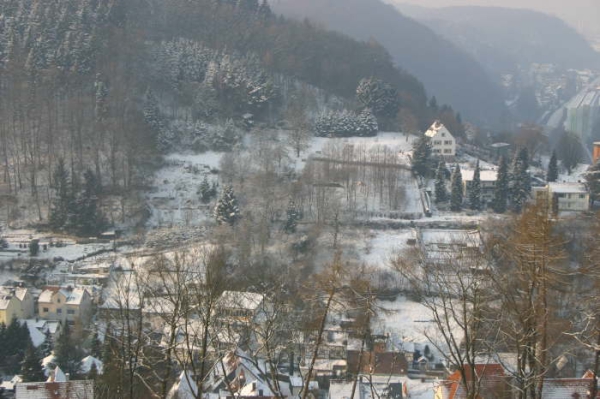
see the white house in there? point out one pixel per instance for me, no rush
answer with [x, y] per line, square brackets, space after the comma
[488, 180]
[565, 197]
[442, 141]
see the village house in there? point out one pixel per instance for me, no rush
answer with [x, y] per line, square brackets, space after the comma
[65, 304]
[15, 303]
[56, 390]
[564, 197]
[442, 141]
[488, 184]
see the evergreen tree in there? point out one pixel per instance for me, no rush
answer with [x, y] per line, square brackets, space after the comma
[475, 190]
[205, 191]
[227, 210]
[421, 158]
[520, 185]
[31, 367]
[96, 346]
[378, 96]
[502, 187]
[89, 220]
[292, 218]
[68, 355]
[93, 373]
[552, 174]
[63, 200]
[46, 348]
[441, 193]
[456, 194]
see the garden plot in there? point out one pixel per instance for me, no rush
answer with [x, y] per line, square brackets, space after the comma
[370, 176]
[175, 198]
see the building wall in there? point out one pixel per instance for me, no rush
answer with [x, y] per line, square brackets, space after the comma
[12, 310]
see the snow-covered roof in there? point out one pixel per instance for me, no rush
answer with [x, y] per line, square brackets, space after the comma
[36, 331]
[4, 302]
[18, 293]
[256, 388]
[239, 300]
[73, 296]
[484, 175]
[184, 387]
[57, 376]
[568, 188]
[438, 128]
[88, 361]
[10, 385]
[83, 389]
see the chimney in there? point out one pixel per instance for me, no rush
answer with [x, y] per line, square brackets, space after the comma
[596, 154]
[68, 376]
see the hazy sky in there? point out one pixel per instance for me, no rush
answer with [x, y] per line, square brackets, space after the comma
[584, 15]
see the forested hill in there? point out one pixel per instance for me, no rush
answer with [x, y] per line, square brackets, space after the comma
[108, 84]
[503, 38]
[447, 72]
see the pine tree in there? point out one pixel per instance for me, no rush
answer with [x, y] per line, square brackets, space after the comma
[205, 191]
[441, 192]
[475, 190]
[421, 157]
[68, 355]
[520, 185]
[456, 194]
[227, 210]
[552, 174]
[31, 367]
[93, 373]
[63, 200]
[292, 218]
[502, 187]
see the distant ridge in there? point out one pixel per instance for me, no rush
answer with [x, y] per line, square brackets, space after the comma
[447, 72]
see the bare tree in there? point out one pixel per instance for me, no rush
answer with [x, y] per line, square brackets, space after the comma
[452, 284]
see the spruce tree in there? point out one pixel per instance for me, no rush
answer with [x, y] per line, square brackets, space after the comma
[520, 185]
[96, 346]
[475, 190]
[502, 185]
[227, 211]
[68, 355]
[63, 200]
[421, 157]
[441, 193]
[552, 174]
[205, 191]
[31, 367]
[89, 220]
[456, 194]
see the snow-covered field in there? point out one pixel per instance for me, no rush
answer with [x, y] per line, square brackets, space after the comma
[68, 249]
[175, 199]
[384, 245]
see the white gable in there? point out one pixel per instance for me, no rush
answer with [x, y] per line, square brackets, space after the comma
[438, 130]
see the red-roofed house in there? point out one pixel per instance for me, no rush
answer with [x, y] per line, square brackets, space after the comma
[494, 383]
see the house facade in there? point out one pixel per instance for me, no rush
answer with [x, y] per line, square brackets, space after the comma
[15, 303]
[564, 197]
[442, 141]
[488, 184]
[67, 305]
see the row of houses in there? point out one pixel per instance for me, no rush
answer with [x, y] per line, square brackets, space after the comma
[66, 305]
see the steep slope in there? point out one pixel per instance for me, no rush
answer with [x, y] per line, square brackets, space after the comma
[448, 73]
[503, 38]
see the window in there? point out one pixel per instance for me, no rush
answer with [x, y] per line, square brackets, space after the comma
[443, 134]
[58, 300]
[70, 311]
[448, 142]
[447, 151]
[581, 196]
[45, 310]
[436, 151]
[59, 311]
[437, 142]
